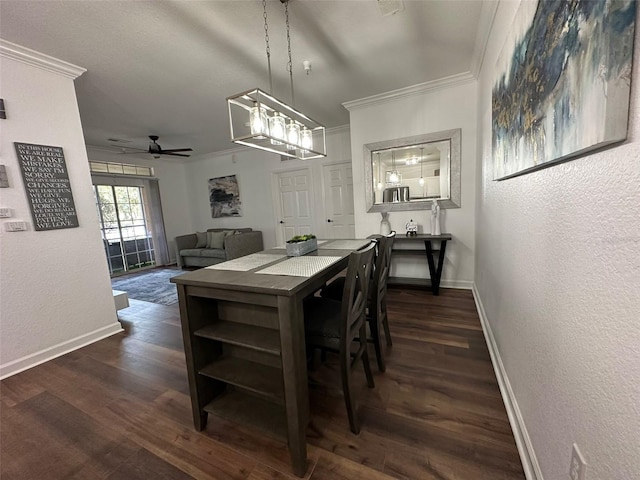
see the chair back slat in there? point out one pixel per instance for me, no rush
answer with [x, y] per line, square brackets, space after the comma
[382, 268]
[356, 286]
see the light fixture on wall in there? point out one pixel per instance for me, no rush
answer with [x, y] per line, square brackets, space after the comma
[421, 181]
[259, 120]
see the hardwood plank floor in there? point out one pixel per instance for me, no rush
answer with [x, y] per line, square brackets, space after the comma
[119, 409]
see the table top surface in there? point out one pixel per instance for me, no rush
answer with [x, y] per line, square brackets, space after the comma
[253, 281]
[419, 236]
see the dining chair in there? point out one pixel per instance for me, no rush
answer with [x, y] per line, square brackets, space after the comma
[334, 326]
[377, 301]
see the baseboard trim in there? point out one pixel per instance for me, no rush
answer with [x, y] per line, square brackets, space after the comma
[460, 284]
[16, 366]
[523, 441]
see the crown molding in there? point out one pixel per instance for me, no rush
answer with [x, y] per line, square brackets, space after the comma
[39, 60]
[485, 25]
[419, 89]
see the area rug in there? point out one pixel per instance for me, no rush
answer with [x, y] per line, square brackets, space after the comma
[150, 286]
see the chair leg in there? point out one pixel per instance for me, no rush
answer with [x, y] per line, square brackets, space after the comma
[352, 410]
[374, 326]
[385, 323]
[365, 357]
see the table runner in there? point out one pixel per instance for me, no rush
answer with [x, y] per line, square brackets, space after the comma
[248, 262]
[354, 244]
[300, 266]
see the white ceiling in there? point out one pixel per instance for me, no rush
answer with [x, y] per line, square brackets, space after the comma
[166, 67]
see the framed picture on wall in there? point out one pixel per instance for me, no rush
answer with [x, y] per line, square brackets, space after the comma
[562, 83]
[224, 197]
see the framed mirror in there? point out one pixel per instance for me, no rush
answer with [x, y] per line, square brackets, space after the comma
[408, 173]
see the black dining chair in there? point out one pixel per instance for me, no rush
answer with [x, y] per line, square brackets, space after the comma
[334, 325]
[377, 301]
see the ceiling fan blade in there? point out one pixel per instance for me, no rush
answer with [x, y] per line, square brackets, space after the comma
[130, 148]
[164, 152]
[171, 150]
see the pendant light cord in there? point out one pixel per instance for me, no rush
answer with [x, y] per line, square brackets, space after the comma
[290, 65]
[266, 40]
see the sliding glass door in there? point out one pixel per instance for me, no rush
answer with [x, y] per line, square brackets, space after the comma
[126, 236]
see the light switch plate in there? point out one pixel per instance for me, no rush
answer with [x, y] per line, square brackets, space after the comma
[5, 212]
[15, 226]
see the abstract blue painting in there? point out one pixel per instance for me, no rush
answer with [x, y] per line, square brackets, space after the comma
[563, 82]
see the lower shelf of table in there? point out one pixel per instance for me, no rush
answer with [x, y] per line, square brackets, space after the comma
[409, 282]
[241, 407]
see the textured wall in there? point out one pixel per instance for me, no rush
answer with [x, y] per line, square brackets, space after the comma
[54, 285]
[558, 272]
[427, 112]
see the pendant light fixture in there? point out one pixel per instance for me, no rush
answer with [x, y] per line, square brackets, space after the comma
[421, 181]
[394, 176]
[379, 185]
[259, 120]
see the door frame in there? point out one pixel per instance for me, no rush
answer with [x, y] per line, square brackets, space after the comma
[275, 200]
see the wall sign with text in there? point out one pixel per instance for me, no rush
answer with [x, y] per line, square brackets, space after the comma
[46, 181]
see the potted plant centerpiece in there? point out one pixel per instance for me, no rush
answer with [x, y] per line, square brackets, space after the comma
[301, 245]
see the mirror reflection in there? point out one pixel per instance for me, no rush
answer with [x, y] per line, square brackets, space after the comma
[411, 173]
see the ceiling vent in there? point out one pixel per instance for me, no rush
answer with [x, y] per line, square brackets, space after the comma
[390, 7]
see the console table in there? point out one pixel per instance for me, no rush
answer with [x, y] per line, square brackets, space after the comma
[435, 266]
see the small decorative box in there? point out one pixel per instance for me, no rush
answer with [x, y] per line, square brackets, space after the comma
[302, 248]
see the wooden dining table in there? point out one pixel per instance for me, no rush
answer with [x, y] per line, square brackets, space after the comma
[243, 332]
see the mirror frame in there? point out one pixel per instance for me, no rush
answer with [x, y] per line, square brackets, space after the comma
[454, 172]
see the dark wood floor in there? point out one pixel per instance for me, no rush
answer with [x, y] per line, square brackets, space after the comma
[119, 409]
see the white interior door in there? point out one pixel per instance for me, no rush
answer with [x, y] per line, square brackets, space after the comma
[294, 212]
[338, 200]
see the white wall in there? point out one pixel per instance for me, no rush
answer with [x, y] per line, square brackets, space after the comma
[254, 170]
[55, 292]
[558, 275]
[427, 111]
[171, 177]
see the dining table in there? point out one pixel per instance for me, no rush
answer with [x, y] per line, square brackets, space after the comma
[243, 332]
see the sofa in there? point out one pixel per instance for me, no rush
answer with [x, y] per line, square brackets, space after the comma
[216, 245]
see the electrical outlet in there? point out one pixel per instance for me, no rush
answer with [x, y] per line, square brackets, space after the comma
[578, 469]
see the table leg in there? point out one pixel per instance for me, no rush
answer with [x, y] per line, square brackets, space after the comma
[435, 272]
[294, 372]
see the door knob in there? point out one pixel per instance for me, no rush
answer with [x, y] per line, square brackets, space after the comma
[329, 220]
[281, 221]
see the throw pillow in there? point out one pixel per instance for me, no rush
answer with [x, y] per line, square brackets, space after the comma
[229, 232]
[215, 239]
[201, 242]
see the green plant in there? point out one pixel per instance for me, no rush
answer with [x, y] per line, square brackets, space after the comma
[301, 238]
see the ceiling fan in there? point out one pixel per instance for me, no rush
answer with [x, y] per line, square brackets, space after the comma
[156, 150]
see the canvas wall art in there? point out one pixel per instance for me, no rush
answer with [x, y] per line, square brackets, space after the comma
[562, 82]
[224, 197]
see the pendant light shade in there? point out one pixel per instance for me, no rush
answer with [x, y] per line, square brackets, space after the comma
[259, 120]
